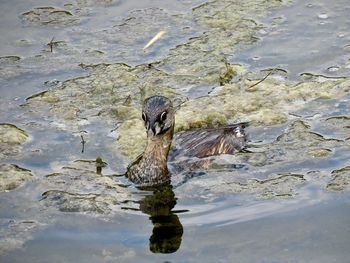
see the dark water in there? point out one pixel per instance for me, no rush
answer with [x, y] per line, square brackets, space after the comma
[190, 223]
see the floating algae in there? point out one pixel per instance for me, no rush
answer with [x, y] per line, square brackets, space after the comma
[216, 183]
[276, 186]
[196, 63]
[9, 60]
[115, 92]
[77, 187]
[319, 152]
[49, 16]
[69, 15]
[12, 135]
[11, 139]
[297, 129]
[340, 181]
[269, 104]
[13, 176]
[298, 144]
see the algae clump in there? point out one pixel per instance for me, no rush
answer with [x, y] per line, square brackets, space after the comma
[11, 134]
[13, 176]
[341, 180]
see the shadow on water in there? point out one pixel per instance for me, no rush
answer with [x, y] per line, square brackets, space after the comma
[167, 229]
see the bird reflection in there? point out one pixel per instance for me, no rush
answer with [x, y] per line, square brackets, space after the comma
[167, 229]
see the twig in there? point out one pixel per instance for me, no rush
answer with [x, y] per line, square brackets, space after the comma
[83, 143]
[51, 44]
[261, 80]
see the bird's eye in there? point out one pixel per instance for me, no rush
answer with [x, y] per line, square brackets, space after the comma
[144, 116]
[163, 116]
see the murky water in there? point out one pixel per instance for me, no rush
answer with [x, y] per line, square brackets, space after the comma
[73, 77]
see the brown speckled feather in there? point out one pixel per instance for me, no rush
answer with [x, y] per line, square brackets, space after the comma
[202, 143]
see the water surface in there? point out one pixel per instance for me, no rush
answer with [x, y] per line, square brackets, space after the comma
[284, 199]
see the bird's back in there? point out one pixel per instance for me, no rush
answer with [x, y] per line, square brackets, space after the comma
[202, 143]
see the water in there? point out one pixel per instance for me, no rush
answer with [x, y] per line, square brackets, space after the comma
[283, 200]
[313, 234]
[310, 36]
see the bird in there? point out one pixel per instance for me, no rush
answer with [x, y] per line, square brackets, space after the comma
[158, 114]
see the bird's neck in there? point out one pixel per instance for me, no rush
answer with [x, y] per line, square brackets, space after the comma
[152, 169]
[158, 147]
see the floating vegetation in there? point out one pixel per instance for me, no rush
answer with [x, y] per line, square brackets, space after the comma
[13, 176]
[11, 134]
[81, 186]
[49, 16]
[11, 139]
[298, 132]
[339, 121]
[275, 186]
[341, 180]
[9, 59]
[267, 102]
[197, 65]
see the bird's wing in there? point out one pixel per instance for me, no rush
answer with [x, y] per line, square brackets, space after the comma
[207, 142]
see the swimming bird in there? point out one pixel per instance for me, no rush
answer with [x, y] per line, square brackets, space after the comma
[158, 115]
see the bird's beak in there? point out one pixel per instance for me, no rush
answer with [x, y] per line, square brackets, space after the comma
[154, 128]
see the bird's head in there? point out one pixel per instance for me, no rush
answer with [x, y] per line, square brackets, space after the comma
[158, 115]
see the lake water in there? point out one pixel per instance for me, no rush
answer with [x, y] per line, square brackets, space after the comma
[284, 199]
